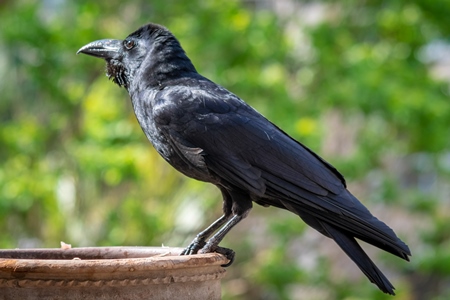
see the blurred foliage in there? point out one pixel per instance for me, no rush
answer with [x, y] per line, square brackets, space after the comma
[354, 80]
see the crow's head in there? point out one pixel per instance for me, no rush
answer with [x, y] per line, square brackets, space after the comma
[151, 43]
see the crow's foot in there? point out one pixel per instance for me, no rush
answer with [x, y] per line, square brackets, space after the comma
[200, 246]
[228, 253]
[194, 247]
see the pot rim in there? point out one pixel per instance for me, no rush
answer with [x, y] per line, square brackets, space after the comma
[104, 259]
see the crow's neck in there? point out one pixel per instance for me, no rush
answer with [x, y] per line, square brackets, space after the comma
[168, 62]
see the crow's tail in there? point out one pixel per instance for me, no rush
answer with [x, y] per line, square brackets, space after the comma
[357, 254]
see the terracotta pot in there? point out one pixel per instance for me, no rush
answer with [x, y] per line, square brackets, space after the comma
[109, 273]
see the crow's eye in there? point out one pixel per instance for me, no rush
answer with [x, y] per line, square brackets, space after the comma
[129, 44]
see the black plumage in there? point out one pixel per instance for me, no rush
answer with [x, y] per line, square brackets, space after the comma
[207, 133]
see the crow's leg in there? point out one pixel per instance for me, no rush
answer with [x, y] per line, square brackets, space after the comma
[213, 243]
[241, 207]
[200, 240]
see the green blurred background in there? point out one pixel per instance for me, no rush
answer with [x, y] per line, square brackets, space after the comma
[363, 83]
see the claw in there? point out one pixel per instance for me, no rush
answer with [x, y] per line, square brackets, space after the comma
[194, 247]
[201, 247]
[228, 253]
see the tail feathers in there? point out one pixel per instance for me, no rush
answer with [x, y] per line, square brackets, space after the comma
[357, 254]
[358, 223]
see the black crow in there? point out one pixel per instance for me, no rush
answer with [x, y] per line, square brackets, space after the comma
[208, 133]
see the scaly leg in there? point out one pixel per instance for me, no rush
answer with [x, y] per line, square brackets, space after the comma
[236, 207]
[213, 243]
[200, 240]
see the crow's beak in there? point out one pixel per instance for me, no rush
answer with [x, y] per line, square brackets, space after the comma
[106, 49]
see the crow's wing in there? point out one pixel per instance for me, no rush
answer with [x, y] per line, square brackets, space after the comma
[240, 143]
[250, 153]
